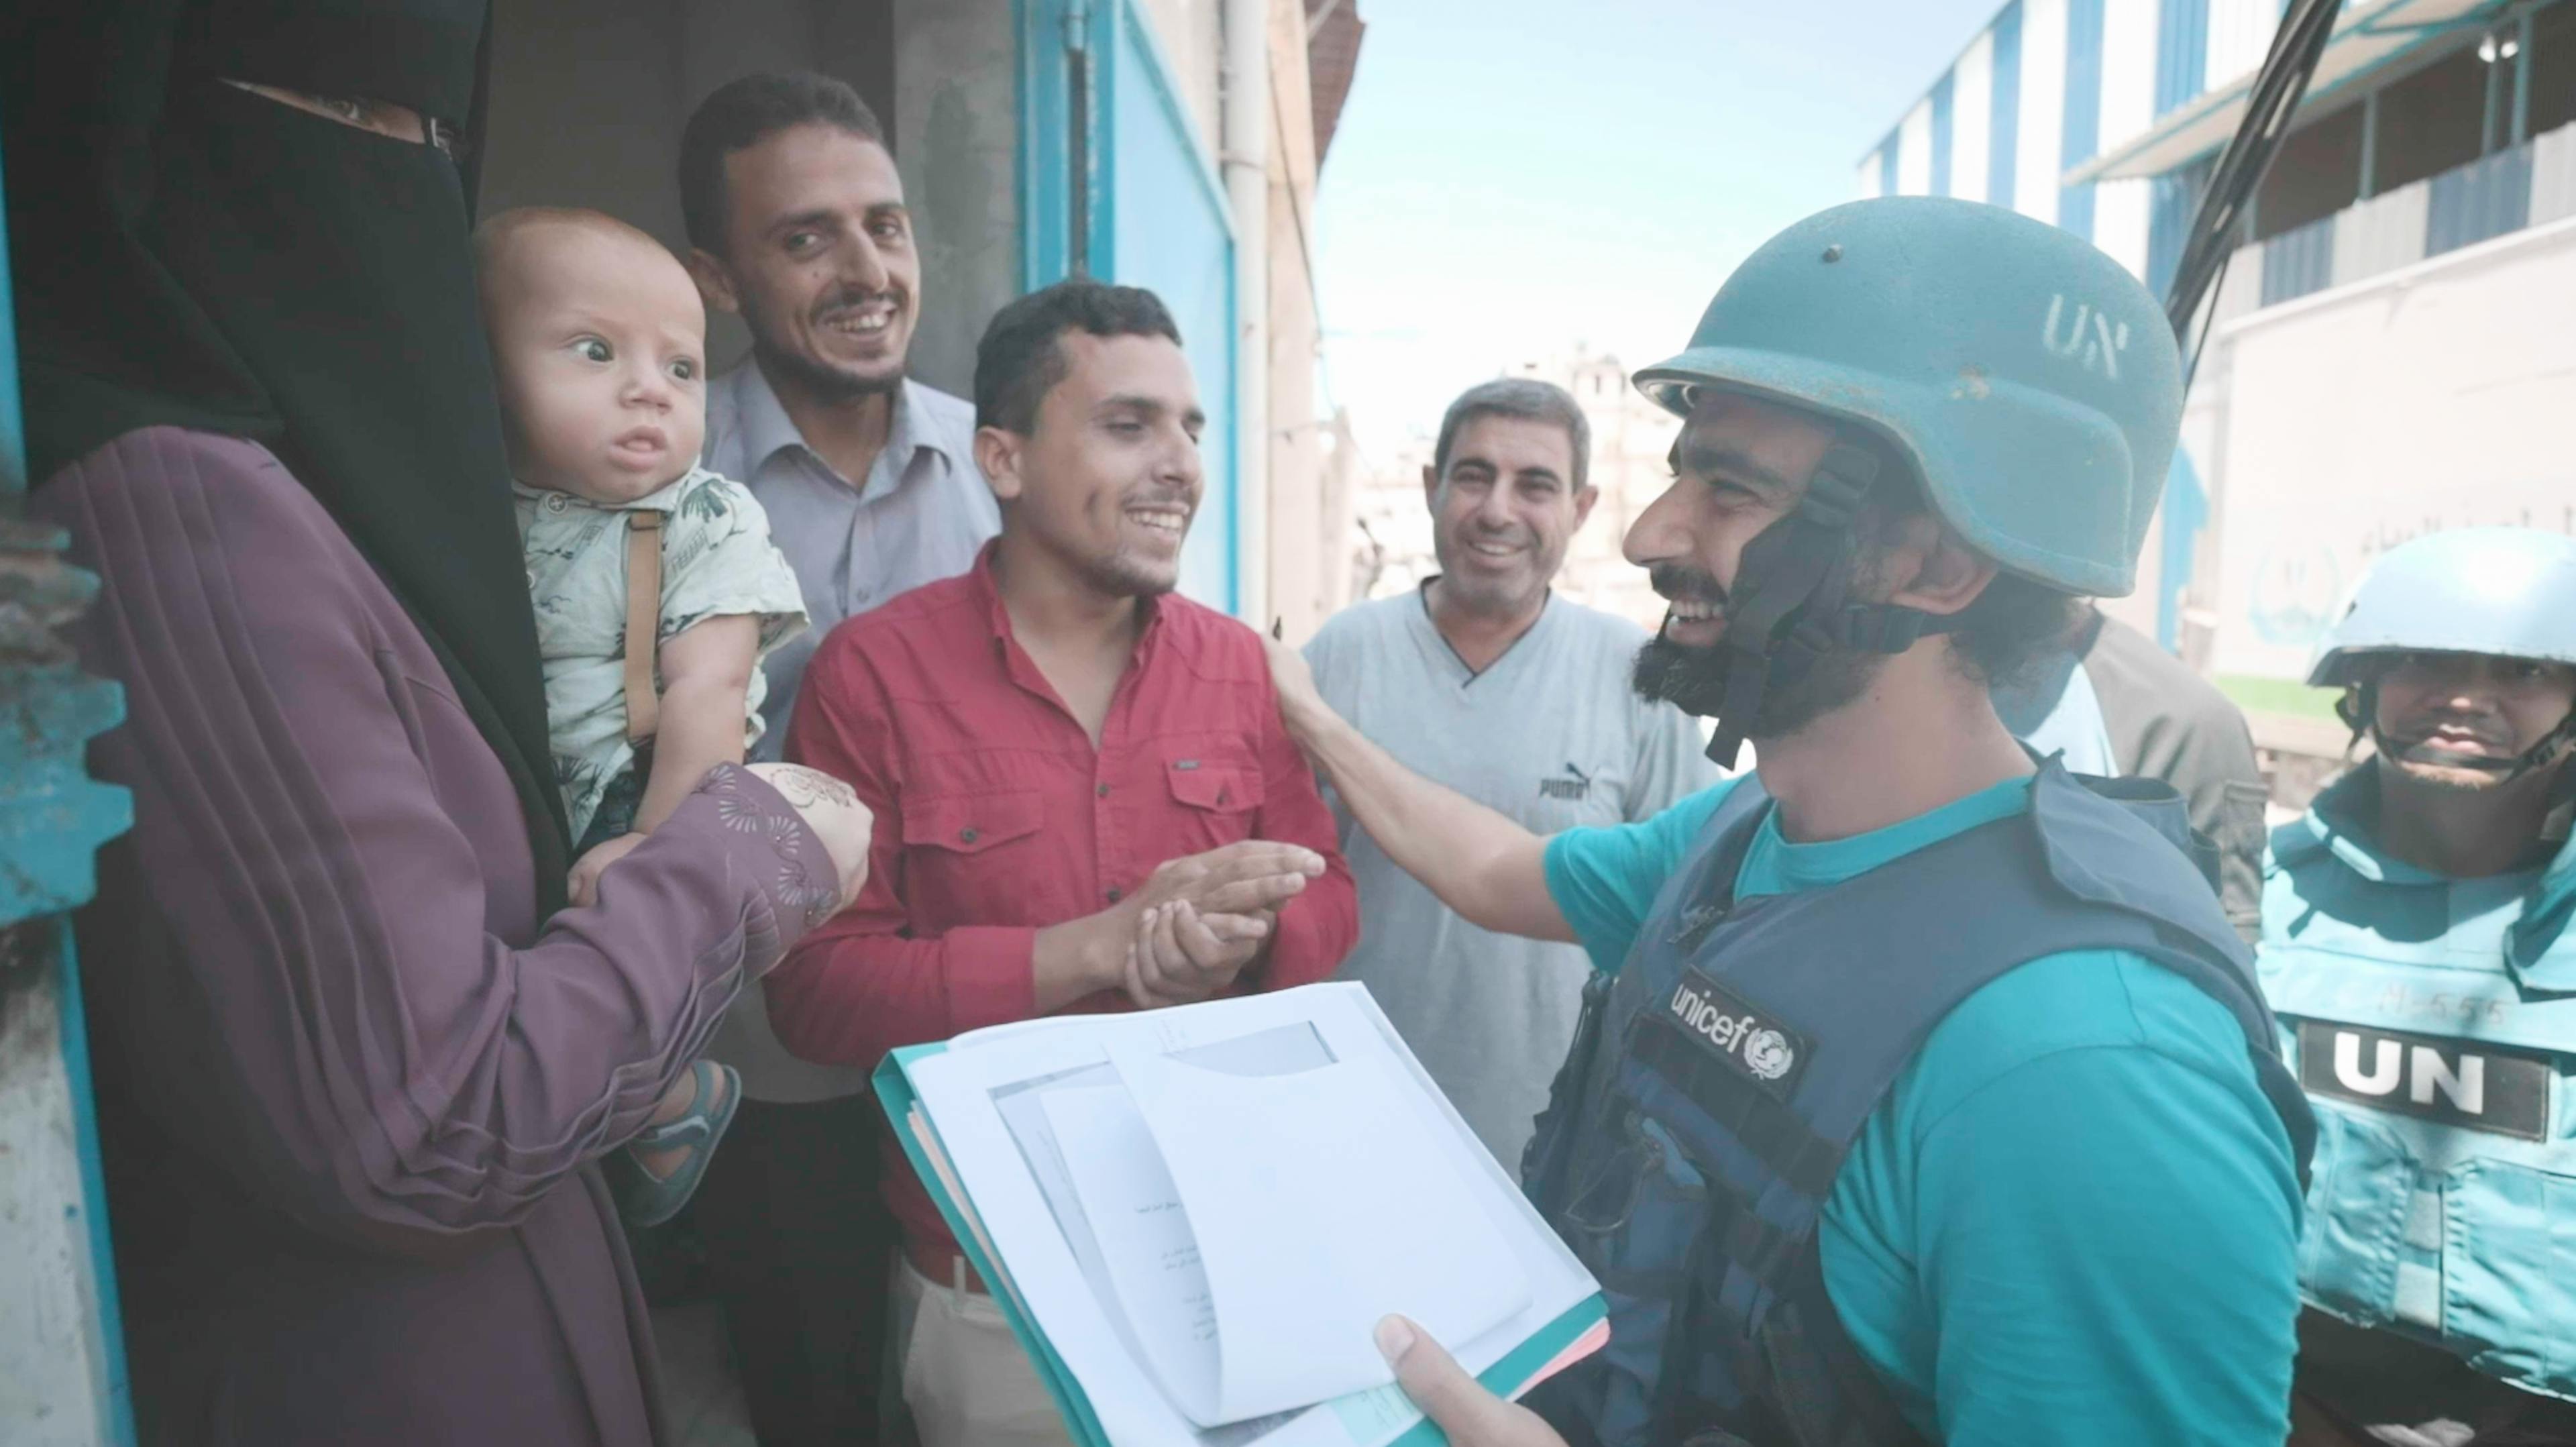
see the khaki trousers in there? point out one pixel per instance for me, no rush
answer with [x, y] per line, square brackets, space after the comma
[966, 1380]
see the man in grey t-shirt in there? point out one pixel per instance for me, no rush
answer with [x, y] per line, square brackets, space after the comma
[1486, 682]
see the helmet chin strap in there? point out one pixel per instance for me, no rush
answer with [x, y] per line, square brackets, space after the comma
[1791, 603]
[2359, 709]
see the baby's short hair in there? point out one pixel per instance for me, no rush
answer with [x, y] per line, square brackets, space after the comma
[495, 236]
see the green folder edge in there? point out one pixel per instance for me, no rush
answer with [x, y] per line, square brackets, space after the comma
[895, 1093]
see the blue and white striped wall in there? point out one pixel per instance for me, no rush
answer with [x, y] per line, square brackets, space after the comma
[2049, 85]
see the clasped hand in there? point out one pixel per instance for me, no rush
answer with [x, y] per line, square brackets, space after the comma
[1202, 920]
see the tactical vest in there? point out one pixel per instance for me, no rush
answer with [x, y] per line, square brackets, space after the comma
[1721, 1075]
[2433, 1023]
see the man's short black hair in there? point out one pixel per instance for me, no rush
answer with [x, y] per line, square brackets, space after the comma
[741, 114]
[1019, 361]
[1523, 397]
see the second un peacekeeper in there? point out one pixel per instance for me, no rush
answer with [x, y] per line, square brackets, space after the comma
[1924, 1091]
[2416, 944]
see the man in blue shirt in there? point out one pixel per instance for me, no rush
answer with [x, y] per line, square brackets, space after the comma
[797, 224]
[1964, 1126]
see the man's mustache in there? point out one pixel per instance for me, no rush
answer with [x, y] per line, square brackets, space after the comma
[1160, 497]
[1682, 584]
[850, 298]
[2430, 747]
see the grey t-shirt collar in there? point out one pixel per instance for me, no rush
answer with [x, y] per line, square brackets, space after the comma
[1438, 651]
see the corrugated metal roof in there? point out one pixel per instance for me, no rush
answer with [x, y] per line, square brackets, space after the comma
[2370, 36]
[1333, 35]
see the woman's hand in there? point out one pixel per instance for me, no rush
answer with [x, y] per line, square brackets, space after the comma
[1472, 1416]
[584, 889]
[833, 812]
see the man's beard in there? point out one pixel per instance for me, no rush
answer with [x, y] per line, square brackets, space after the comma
[2436, 769]
[1120, 573]
[821, 379]
[1120, 576]
[817, 380]
[1693, 679]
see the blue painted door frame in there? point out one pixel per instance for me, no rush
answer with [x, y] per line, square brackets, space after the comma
[62, 1359]
[1116, 183]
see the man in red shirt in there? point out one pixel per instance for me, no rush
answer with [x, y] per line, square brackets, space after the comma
[1085, 798]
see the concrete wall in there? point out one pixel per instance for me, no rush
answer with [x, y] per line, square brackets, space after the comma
[1309, 525]
[956, 130]
[586, 110]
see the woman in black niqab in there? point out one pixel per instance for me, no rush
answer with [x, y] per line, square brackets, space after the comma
[352, 1080]
[192, 254]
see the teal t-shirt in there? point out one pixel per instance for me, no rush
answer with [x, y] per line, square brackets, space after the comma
[2075, 1217]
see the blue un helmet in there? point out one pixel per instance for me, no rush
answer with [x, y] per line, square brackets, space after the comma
[2503, 592]
[2030, 382]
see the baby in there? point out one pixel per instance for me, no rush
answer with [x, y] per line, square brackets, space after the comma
[599, 344]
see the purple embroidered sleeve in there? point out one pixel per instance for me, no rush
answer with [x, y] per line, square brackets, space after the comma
[803, 885]
[315, 957]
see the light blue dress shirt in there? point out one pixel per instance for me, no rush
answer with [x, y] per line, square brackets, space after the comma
[920, 516]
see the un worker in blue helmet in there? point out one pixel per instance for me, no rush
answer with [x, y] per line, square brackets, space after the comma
[2416, 944]
[1924, 1092]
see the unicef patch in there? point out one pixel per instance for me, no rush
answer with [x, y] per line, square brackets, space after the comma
[1716, 1023]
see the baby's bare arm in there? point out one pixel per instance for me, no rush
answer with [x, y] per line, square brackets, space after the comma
[706, 671]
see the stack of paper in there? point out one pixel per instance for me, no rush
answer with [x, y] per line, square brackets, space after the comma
[1194, 1217]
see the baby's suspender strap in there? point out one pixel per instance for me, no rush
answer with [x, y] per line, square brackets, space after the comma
[643, 623]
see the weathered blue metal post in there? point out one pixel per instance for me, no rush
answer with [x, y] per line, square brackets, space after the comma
[62, 1362]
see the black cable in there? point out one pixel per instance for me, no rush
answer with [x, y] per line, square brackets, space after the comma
[2208, 321]
[2272, 100]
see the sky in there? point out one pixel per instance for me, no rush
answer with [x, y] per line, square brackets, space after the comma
[1514, 177]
